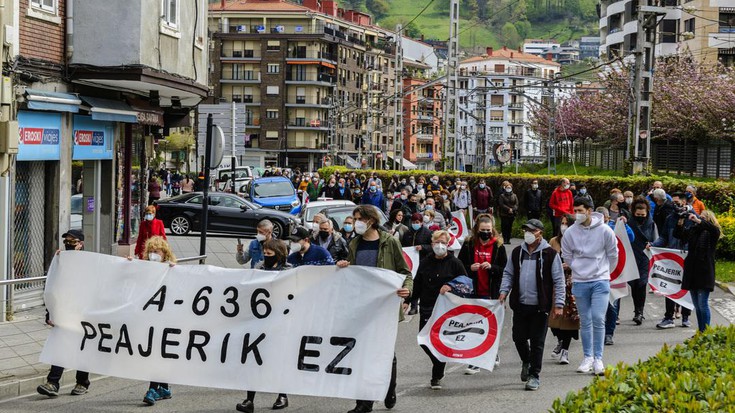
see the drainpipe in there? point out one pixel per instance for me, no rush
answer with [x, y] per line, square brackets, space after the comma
[69, 29]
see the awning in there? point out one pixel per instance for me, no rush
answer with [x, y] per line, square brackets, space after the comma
[54, 101]
[351, 163]
[406, 163]
[111, 110]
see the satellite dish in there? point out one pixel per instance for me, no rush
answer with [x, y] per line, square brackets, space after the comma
[217, 151]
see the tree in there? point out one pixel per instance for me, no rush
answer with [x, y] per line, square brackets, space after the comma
[510, 35]
[379, 8]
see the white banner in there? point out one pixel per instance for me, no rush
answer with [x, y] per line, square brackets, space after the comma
[413, 259]
[665, 271]
[625, 268]
[458, 227]
[463, 330]
[318, 331]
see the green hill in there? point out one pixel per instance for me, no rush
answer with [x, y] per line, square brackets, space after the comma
[486, 23]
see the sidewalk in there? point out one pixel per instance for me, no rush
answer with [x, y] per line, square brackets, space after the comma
[22, 339]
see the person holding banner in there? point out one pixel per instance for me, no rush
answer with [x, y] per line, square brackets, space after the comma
[699, 264]
[419, 237]
[275, 254]
[435, 271]
[304, 253]
[375, 248]
[535, 281]
[644, 233]
[589, 246]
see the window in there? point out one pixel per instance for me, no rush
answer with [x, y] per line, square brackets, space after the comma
[169, 12]
[271, 114]
[45, 5]
[271, 90]
[689, 25]
[274, 68]
[273, 46]
[271, 134]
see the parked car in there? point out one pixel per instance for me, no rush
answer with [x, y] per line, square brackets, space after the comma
[274, 192]
[76, 211]
[312, 208]
[338, 215]
[228, 214]
[243, 175]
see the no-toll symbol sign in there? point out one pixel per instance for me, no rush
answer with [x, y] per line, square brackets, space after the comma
[464, 332]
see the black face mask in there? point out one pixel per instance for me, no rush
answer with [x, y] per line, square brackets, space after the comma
[70, 247]
[411, 204]
[270, 261]
[323, 235]
[640, 220]
[485, 235]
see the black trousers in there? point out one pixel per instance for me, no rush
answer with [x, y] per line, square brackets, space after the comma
[533, 215]
[529, 333]
[391, 386]
[555, 226]
[506, 227]
[671, 307]
[638, 293]
[251, 396]
[54, 376]
[437, 369]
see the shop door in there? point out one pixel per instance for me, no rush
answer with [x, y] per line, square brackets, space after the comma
[28, 234]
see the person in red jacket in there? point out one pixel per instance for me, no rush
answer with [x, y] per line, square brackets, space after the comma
[562, 203]
[149, 227]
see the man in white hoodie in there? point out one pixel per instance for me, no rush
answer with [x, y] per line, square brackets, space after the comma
[588, 247]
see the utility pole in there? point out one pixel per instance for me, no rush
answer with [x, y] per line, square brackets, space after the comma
[450, 91]
[398, 100]
[333, 106]
[644, 52]
[369, 118]
[232, 159]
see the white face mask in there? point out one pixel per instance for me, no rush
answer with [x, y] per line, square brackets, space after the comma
[566, 186]
[360, 227]
[508, 189]
[427, 219]
[154, 257]
[581, 218]
[628, 201]
[295, 247]
[149, 217]
[534, 186]
[563, 229]
[529, 237]
[440, 249]
[260, 237]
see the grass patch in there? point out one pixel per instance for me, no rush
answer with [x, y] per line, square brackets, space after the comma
[725, 271]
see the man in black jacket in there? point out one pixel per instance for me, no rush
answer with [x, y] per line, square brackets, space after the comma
[419, 237]
[664, 208]
[332, 241]
[534, 201]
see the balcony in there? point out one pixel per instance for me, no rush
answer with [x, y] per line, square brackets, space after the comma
[318, 79]
[516, 121]
[515, 106]
[309, 143]
[298, 55]
[724, 40]
[425, 137]
[425, 118]
[245, 76]
[239, 56]
[304, 124]
[425, 155]
[310, 102]
[247, 99]
[497, 119]
[427, 102]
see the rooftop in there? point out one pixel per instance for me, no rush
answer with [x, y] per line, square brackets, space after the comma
[257, 5]
[509, 54]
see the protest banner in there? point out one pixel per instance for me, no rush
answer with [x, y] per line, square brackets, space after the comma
[464, 330]
[665, 271]
[625, 268]
[413, 259]
[458, 226]
[319, 331]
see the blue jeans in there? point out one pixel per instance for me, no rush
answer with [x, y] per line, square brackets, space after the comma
[611, 317]
[701, 307]
[592, 300]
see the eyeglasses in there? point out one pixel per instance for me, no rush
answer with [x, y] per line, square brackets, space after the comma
[71, 242]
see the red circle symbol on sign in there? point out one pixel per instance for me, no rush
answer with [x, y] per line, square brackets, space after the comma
[459, 230]
[482, 348]
[679, 260]
[408, 260]
[621, 262]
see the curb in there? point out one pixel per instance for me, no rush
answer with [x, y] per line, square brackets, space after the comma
[726, 287]
[27, 386]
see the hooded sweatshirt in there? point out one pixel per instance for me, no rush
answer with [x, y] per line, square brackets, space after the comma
[589, 250]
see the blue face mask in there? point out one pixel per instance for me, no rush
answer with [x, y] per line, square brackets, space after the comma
[415, 226]
[582, 191]
[373, 189]
[429, 207]
[348, 227]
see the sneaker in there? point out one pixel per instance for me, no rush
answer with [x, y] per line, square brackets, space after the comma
[164, 392]
[413, 311]
[471, 370]
[586, 365]
[151, 396]
[436, 384]
[564, 357]
[360, 407]
[665, 323]
[617, 321]
[78, 390]
[557, 351]
[524, 371]
[638, 319]
[609, 340]
[685, 322]
[599, 367]
[533, 383]
[48, 389]
[246, 406]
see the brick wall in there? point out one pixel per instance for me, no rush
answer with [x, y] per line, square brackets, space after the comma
[42, 39]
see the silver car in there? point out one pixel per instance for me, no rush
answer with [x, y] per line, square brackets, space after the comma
[313, 208]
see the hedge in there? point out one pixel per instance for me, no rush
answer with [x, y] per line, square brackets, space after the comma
[696, 376]
[718, 196]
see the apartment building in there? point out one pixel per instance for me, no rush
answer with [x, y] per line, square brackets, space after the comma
[496, 92]
[705, 28]
[312, 80]
[422, 116]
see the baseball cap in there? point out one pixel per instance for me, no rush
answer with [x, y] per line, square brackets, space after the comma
[533, 224]
[299, 233]
[75, 233]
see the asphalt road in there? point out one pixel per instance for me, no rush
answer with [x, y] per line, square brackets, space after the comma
[499, 391]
